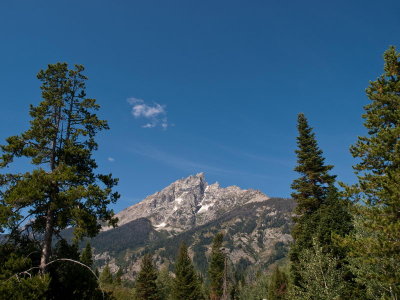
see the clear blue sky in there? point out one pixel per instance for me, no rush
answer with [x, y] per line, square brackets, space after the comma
[214, 86]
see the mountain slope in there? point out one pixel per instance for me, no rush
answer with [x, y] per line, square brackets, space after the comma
[188, 203]
[256, 227]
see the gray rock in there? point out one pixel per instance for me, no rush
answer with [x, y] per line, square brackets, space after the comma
[187, 203]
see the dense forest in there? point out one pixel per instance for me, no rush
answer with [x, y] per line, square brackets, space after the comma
[346, 238]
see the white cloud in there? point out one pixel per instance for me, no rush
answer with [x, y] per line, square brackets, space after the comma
[111, 159]
[155, 114]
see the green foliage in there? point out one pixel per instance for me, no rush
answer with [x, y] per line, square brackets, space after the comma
[321, 277]
[19, 279]
[278, 285]
[69, 279]
[25, 288]
[118, 292]
[312, 186]
[375, 242]
[87, 256]
[311, 190]
[63, 189]
[165, 283]
[320, 211]
[216, 269]
[256, 290]
[106, 276]
[146, 282]
[186, 284]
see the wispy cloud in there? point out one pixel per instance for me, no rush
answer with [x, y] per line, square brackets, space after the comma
[265, 158]
[111, 159]
[154, 114]
[187, 164]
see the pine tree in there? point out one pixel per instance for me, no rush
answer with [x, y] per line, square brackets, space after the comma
[186, 283]
[106, 276]
[320, 212]
[87, 256]
[311, 188]
[165, 283]
[278, 285]
[146, 282]
[216, 269]
[311, 191]
[63, 189]
[375, 243]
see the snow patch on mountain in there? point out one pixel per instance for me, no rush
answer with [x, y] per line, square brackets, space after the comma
[187, 203]
[204, 208]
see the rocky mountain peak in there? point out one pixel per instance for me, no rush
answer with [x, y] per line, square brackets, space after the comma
[187, 203]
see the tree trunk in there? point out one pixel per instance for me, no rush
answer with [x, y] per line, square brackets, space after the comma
[48, 236]
[48, 233]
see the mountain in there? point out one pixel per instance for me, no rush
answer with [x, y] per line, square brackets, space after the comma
[188, 203]
[256, 227]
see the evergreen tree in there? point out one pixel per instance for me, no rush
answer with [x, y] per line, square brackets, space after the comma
[311, 190]
[146, 282]
[375, 243]
[87, 256]
[186, 283]
[63, 189]
[106, 276]
[320, 211]
[278, 285]
[216, 269]
[165, 284]
[312, 187]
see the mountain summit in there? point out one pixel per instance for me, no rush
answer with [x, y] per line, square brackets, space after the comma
[256, 228]
[187, 203]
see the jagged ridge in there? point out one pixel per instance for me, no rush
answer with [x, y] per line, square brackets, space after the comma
[188, 203]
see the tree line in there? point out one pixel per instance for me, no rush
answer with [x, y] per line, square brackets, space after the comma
[346, 238]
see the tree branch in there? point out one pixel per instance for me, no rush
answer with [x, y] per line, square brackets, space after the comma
[57, 260]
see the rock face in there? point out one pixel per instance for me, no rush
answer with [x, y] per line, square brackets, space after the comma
[256, 228]
[188, 203]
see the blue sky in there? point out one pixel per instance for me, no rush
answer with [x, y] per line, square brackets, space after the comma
[203, 86]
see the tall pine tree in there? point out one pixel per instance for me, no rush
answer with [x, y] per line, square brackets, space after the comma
[375, 243]
[311, 190]
[320, 211]
[146, 281]
[186, 284]
[63, 189]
